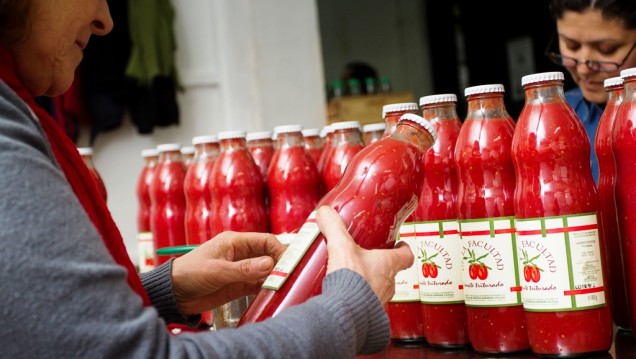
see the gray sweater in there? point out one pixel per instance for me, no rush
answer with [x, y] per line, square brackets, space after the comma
[63, 296]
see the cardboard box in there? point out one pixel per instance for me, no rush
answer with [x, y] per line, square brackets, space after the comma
[364, 109]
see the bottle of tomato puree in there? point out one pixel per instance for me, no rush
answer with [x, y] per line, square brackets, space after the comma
[372, 132]
[436, 244]
[379, 189]
[145, 247]
[196, 187]
[87, 156]
[624, 147]
[168, 200]
[326, 147]
[261, 146]
[607, 209]
[313, 143]
[492, 288]
[236, 188]
[293, 181]
[346, 142]
[391, 113]
[559, 244]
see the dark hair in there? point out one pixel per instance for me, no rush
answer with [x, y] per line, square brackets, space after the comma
[13, 20]
[624, 10]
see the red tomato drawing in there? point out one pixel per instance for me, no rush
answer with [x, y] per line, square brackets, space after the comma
[472, 271]
[535, 274]
[426, 271]
[527, 273]
[433, 271]
[482, 271]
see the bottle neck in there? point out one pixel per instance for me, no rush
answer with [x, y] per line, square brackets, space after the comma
[347, 135]
[260, 142]
[232, 144]
[150, 161]
[486, 105]
[615, 93]
[414, 133]
[290, 139]
[88, 160]
[313, 142]
[440, 111]
[545, 91]
[629, 88]
[206, 150]
[391, 119]
[170, 156]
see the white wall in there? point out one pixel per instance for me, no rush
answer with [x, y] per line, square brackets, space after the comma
[245, 64]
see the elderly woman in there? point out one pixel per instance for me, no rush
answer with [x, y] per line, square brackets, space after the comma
[68, 287]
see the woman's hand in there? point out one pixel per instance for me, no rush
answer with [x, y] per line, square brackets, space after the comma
[226, 267]
[378, 266]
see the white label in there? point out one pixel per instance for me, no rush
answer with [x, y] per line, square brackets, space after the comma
[439, 261]
[145, 252]
[406, 281]
[490, 264]
[560, 263]
[294, 253]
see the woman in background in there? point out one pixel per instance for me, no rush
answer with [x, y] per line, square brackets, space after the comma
[596, 40]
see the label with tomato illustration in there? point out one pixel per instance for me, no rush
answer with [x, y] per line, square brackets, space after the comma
[145, 252]
[560, 263]
[406, 281]
[490, 262]
[439, 263]
[294, 253]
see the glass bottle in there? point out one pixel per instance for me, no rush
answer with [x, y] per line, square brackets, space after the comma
[391, 113]
[385, 84]
[261, 146]
[388, 172]
[293, 180]
[236, 188]
[87, 156]
[168, 200]
[624, 147]
[145, 247]
[492, 289]
[607, 204]
[196, 187]
[313, 143]
[437, 246]
[345, 143]
[355, 88]
[372, 132]
[558, 239]
[188, 155]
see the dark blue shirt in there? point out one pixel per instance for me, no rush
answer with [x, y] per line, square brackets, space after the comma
[590, 115]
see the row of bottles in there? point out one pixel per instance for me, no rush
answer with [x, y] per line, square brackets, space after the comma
[503, 218]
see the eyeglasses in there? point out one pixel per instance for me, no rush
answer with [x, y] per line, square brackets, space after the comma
[567, 61]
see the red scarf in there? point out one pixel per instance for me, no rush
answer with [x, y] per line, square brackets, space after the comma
[77, 174]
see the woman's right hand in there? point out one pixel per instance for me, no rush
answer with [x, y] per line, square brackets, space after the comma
[377, 266]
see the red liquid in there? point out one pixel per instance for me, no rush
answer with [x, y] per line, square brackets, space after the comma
[624, 148]
[444, 322]
[168, 203]
[377, 192]
[198, 200]
[551, 154]
[236, 191]
[346, 144]
[391, 119]
[293, 182]
[607, 206]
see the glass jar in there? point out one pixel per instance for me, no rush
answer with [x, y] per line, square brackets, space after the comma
[145, 247]
[168, 200]
[378, 191]
[607, 204]
[391, 113]
[492, 288]
[559, 242]
[87, 156]
[345, 144]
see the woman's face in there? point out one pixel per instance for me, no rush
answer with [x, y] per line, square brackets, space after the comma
[53, 48]
[588, 36]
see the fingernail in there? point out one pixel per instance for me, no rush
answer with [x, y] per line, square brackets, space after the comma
[263, 264]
